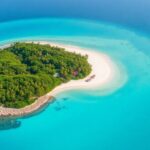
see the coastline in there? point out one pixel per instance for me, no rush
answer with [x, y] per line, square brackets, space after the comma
[103, 70]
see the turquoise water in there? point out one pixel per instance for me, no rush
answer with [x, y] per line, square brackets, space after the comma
[117, 121]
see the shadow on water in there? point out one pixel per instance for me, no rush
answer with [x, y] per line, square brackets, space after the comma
[9, 123]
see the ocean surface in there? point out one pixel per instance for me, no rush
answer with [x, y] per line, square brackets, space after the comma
[78, 120]
[132, 13]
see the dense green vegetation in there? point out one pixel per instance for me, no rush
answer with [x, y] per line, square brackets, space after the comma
[29, 70]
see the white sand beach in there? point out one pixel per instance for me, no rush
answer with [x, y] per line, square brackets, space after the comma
[103, 72]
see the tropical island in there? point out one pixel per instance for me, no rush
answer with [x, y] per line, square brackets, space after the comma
[32, 73]
[30, 70]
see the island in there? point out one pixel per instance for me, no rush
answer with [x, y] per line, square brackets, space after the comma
[32, 73]
[30, 70]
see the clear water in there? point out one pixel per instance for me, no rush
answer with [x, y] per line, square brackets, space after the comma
[118, 121]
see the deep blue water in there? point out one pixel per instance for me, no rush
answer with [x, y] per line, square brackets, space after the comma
[132, 13]
[88, 121]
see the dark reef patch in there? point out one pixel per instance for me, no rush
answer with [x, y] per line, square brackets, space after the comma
[9, 123]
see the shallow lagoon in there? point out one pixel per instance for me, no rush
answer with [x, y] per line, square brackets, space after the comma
[87, 120]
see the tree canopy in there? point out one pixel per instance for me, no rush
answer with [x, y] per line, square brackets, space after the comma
[29, 70]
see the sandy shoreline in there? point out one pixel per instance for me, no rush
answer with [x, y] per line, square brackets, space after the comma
[102, 67]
